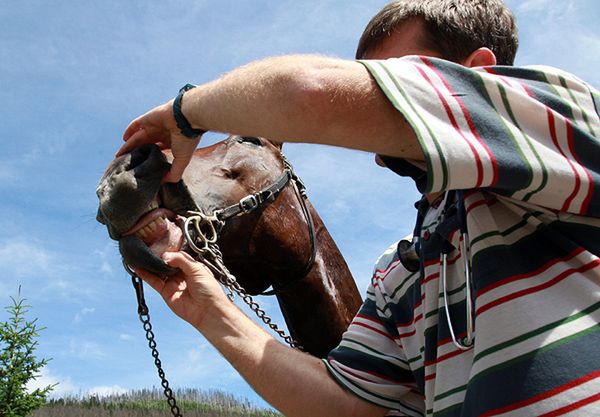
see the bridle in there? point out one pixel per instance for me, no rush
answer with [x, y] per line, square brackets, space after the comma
[201, 229]
[201, 233]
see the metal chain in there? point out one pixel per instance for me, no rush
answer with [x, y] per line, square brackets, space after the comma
[209, 253]
[204, 243]
[143, 313]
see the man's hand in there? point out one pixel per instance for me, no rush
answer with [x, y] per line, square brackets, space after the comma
[283, 376]
[192, 292]
[159, 126]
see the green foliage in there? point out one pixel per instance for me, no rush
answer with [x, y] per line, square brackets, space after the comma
[151, 403]
[18, 364]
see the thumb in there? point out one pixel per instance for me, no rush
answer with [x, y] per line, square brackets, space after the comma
[183, 150]
[177, 167]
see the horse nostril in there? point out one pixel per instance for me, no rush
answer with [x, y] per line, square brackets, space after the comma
[148, 161]
[139, 156]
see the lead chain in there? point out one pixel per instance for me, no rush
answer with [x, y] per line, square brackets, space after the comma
[210, 254]
[144, 316]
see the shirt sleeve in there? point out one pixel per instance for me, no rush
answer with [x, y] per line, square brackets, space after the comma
[369, 360]
[527, 133]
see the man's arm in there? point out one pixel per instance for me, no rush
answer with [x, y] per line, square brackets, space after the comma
[300, 98]
[294, 382]
[303, 99]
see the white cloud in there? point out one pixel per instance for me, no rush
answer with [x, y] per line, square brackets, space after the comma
[22, 258]
[105, 255]
[571, 45]
[41, 269]
[105, 391]
[106, 268]
[126, 337]
[85, 349]
[63, 385]
[81, 313]
[203, 363]
[536, 6]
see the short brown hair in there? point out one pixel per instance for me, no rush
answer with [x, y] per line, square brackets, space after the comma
[456, 27]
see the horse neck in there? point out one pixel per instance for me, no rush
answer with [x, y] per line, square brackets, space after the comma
[319, 307]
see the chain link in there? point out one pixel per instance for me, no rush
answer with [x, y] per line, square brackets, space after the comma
[144, 317]
[202, 240]
[209, 253]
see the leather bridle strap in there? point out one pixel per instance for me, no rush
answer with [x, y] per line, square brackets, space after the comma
[253, 201]
[268, 195]
[301, 190]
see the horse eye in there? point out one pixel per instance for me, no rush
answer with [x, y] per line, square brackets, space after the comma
[252, 140]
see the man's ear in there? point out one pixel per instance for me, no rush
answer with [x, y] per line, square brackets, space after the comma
[481, 57]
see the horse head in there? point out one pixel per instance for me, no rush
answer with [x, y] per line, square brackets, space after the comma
[146, 217]
[282, 243]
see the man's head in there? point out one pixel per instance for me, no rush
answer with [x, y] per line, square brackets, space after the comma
[452, 28]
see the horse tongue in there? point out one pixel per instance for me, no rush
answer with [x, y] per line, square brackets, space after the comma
[167, 237]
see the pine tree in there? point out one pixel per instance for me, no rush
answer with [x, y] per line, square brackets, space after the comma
[18, 364]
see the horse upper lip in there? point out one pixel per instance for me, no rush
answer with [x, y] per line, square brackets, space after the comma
[149, 217]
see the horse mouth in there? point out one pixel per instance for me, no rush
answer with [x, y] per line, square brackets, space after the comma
[160, 229]
[156, 232]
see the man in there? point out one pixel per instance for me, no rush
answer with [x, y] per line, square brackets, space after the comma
[500, 313]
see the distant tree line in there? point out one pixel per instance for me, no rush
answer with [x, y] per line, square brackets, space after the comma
[150, 403]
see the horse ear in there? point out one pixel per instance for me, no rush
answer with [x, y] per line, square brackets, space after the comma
[278, 145]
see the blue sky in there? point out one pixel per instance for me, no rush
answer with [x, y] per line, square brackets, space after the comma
[74, 73]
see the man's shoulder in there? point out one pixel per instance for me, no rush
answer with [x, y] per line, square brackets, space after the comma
[387, 258]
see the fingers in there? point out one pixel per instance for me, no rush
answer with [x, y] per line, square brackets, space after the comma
[183, 149]
[133, 127]
[187, 264]
[133, 140]
[177, 168]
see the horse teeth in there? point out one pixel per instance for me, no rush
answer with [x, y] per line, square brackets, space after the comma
[151, 227]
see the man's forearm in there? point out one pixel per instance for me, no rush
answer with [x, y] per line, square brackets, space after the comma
[294, 382]
[303, 98]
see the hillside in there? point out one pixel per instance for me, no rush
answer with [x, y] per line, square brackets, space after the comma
[151, 403]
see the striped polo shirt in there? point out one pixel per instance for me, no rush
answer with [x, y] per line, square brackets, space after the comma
[523, 145]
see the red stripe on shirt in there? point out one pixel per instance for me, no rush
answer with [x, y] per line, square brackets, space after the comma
[478, 162]
[538, 288]
[410, 322]
[471, 127]
[586, 202]
[361, 377]
[388, 269]
[538, 271]
[366, 326]
[444, 357]
[551, 393]
[574, 406]
[482, 202]
[553, 135]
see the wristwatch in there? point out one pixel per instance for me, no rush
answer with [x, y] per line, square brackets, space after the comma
[184, 126]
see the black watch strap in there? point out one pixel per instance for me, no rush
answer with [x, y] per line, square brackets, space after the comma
[184, 126]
